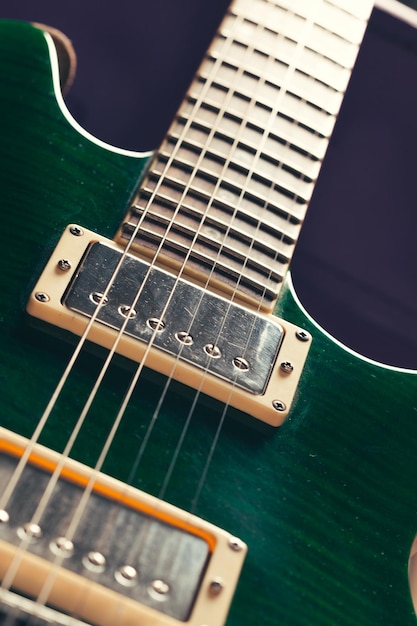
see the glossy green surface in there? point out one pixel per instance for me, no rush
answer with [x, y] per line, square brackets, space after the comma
[327, 503]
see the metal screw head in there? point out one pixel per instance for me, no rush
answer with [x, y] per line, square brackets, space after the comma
[287, 367]
[40, 296]
[278, 405]
[302, 335]
[235, 544]
[76, 231]
[64, 265]
[216, 586]
[4, 516]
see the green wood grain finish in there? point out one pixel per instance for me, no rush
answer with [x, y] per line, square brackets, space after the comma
[327, 504]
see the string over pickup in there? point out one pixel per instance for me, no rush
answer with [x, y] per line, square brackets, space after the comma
[130, 559]
[239, 356]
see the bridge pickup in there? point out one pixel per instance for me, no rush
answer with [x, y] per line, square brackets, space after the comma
[129, 558]
[249, 359]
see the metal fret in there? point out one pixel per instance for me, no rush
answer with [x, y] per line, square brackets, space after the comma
[324, 69]
[289, 131]
[227, 191]
[274, 73]
[307, 113]
[222, 218]
[275, 150]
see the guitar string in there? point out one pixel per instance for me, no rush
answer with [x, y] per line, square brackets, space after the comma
[221, 421]
[87, 491]
[251, 170]
[70, 532]
[42, 423]
[5, 497]
[206, 467]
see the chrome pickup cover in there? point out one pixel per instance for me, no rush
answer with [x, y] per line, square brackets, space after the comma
[98, 551]
[137, 550]
[248, 360]
[180, 318]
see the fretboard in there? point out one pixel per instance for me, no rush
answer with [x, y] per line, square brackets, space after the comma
[227, 191]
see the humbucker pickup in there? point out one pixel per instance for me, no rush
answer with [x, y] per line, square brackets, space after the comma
[246, 358]
[166, 566]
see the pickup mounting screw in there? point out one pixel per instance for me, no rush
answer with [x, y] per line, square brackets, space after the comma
[235, 544]
[287, 367]
[4, 516]
[278, 405]
[302, 335]
[40, 296]
[64, 265]
[216, 586]
[76, 231]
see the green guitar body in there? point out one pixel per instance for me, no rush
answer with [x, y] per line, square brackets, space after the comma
[327, 503]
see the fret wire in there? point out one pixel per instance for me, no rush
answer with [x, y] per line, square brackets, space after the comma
[265, 130]
[189, 216]
[236, 172]
[293, 169]
[328, 71]
[204, 179]
[200, 156]
[200, 103]
[180, 235]
[212, 156]
[305, 111]
[325, 95]
[229, 272]
[226, 43]
[251, 150]
[279, 216]
[248, 177]
[218, 229]
[252, 101]
[327, 18]
[270, 230]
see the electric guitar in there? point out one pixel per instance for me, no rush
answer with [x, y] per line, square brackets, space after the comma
[180, 442]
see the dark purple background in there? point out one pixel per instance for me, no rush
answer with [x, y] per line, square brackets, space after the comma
[356, 265]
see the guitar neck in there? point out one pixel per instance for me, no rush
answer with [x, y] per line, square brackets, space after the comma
[227, 191]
